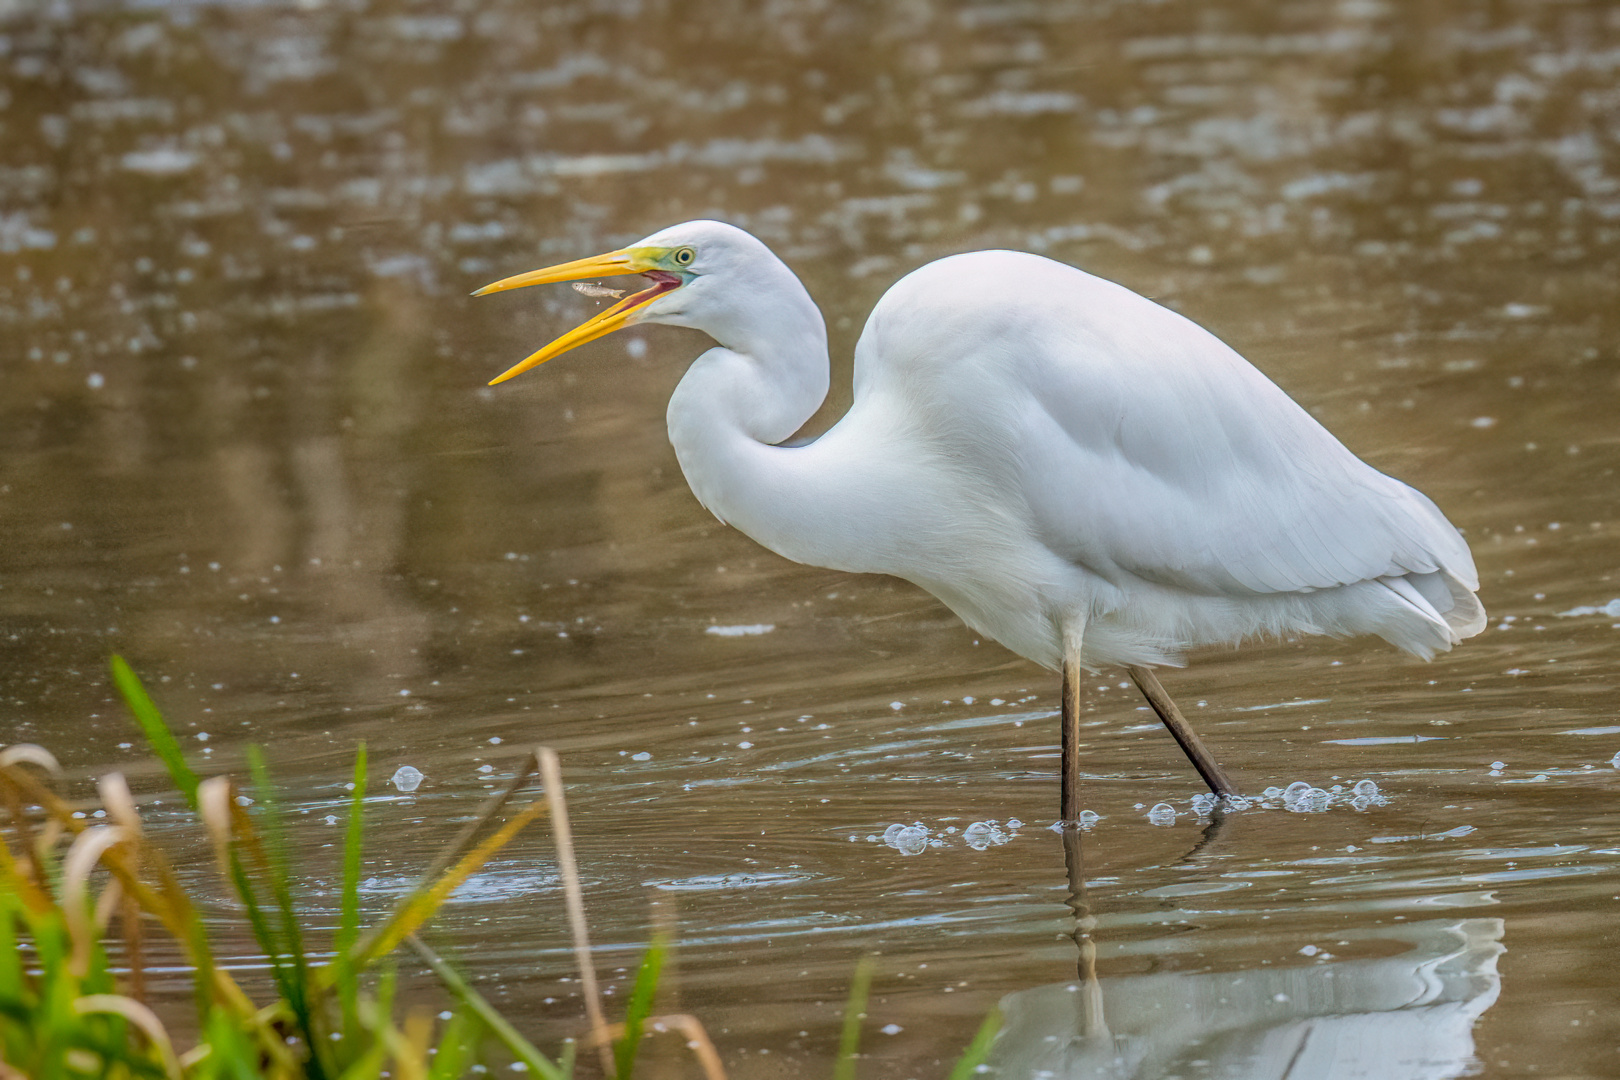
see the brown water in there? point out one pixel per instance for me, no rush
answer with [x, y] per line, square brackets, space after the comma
[246, 443]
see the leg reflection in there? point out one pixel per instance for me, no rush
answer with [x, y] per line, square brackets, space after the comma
[1211, 834]
[1093, 1024]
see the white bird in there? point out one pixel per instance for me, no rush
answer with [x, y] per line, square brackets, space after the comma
[1082, 475]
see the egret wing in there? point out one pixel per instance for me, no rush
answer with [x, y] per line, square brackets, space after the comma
[1169, 457]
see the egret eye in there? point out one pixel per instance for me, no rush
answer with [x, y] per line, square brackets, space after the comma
[684, 257]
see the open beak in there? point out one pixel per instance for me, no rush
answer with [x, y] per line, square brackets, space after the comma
[613, 264]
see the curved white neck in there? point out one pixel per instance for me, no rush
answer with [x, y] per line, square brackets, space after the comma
[732, 408]
[843, 501]
[737, 401]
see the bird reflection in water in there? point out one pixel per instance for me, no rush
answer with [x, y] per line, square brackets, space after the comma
[1400, 1017]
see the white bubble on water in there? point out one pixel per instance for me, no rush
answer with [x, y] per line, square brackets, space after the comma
[643, 756]
[1365, 788]
[1162, 814]
[911, 840]
[750, 630]
[1611, 610]
[984, 834]
[1302, 798]
[407, 778]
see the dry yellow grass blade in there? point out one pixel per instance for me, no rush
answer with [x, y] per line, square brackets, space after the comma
[574, 901]
[417, 908]
[82, 857]
[30, 754]
[141, 1017]
[120, 806]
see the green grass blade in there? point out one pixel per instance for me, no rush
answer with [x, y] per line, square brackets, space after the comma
[378, 1019]
[979, 1048]
[157, 733]
[11, 965]
[458, 1046]
[369, 1065]
[640, 1006]
[232, 1055]
[165, 746]
[263, 932]
[349, 921]
[296, 986]
[849, 1040]
[505, 1033]
[348, 981]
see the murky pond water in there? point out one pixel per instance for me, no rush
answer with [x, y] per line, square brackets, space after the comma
[247, 443]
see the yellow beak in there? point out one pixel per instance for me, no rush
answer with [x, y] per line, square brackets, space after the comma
[614, 263]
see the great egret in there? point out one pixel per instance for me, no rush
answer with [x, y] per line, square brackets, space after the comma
[1080, 474]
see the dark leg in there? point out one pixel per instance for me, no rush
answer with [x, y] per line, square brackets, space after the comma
[1069, 810]
[1182, 731]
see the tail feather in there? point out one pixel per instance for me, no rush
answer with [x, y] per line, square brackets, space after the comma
[1446, 610]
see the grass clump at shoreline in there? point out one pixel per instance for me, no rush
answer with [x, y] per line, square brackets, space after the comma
[79, 897]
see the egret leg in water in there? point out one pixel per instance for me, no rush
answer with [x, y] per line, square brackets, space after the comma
[1080, 474]
[1168, 713]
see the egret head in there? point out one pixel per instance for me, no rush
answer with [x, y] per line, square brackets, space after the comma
[684, 264]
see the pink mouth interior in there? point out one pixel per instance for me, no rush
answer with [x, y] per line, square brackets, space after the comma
[662, 283]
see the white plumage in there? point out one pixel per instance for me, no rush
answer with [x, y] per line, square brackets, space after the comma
[1061, 461]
